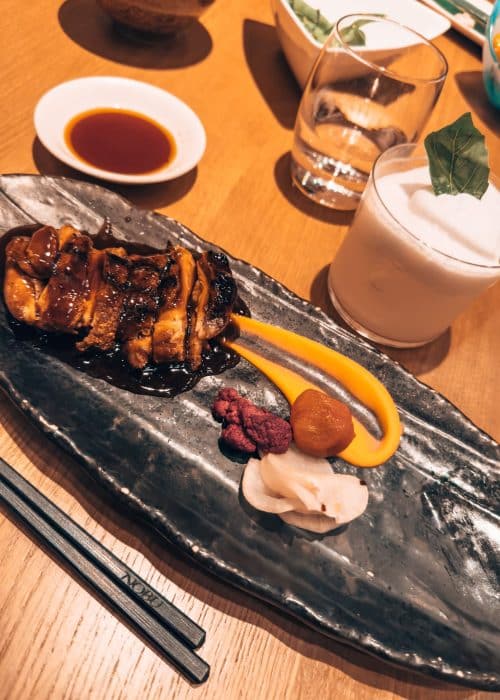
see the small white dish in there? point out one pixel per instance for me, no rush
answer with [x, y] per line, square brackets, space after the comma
[65, 101]
[301, 49]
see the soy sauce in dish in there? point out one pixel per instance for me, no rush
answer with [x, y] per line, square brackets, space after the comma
[120, 141]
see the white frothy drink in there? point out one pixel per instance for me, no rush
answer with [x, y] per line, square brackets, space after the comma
[412, 261]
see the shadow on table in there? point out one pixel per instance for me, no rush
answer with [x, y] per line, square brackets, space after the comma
[188, 576]
[420, 360]
[466, 44]
[470, 84]
[155, 196]
[270, 71]
[92, 29]
[319, 296]
[300, 201]
[415, 360]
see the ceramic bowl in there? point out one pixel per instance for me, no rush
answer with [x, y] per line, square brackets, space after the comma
[161, 17]
[301, 49]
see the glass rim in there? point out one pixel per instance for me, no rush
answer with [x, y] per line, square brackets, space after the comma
[375, 66]
[489, 35]
[400, 147]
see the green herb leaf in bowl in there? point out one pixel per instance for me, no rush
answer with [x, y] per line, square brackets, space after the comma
[353, 35]
[458, 159]
[312, 19]
[318, 25]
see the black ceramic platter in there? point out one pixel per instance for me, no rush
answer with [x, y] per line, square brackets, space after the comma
[414, 581]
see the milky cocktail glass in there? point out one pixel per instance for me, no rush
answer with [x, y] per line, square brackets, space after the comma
[412, 261]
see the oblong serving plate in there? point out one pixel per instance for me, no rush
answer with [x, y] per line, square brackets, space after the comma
[413, 581]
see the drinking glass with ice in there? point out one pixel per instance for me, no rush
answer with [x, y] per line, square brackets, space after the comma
[373, 86]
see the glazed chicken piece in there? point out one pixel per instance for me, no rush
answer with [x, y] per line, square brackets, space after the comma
[214, 294]
[21, 290]
[94, 276]
[160, 307]
[108, 279]
[39, 252]
[62, 302]
[141, 307]
[30, 261]
[169, 335]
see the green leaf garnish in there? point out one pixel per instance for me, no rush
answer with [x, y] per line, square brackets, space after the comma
[458, 159]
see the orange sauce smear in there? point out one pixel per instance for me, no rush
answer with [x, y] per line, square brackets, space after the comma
[365, 450]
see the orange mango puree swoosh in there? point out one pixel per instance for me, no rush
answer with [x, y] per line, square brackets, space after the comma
[365, 450]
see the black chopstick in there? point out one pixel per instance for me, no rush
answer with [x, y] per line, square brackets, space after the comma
[182, 626]
[81, 561]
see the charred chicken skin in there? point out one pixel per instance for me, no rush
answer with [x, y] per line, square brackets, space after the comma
[160, 308]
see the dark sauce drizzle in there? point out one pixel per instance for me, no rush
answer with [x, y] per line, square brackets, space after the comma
[165, 380]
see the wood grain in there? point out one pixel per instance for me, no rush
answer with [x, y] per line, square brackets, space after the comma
[57, 640]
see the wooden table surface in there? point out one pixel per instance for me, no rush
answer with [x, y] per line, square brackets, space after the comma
[56, 639]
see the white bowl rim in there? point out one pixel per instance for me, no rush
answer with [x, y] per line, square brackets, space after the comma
[371, 64]
[179, 166]
[314, 42]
